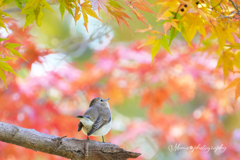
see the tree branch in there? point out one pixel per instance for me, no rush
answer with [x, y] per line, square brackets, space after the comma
[71, 148]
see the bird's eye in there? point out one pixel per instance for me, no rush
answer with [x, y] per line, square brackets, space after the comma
[101, 100]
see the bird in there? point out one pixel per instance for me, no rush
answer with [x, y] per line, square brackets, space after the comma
[97, 120]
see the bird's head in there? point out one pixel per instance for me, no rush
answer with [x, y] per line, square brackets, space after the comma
[101, 101]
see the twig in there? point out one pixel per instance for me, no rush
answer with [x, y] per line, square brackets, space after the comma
[235, 6]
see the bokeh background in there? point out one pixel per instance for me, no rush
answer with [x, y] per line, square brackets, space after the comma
[177, 99]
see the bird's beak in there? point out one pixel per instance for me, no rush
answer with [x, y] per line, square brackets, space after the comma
[107, 99]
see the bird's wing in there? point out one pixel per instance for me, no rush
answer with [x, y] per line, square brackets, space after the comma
[97, 125]
[80, 125]
[91, 114]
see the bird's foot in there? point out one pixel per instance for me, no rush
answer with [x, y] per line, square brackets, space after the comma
[106, 142]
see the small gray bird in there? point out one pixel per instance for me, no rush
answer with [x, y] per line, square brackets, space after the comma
[97, 120]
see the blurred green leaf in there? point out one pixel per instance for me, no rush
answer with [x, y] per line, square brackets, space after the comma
[155, 48]
[38, 14]
[19, 3]
[29, 19]
[114, 4]
[12, 45]
[162, 22]
[173, 34]
[6, 1]
[33, 10]
[62, 8]
[2, 76]
[164, 43]
[2, 39]
[16, 53]
[7, 67]
[2, 20]
[5, 58]
[176, 15]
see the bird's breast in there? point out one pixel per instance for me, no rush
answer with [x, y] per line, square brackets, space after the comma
[103, 130]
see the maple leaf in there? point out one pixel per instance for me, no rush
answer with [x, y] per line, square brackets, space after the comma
[168, 7]
[116, 11]
[226, 60]
[172, 24]
[234, 83]
[19, 3]
[69, 5]
[5, 67]
[87, 10]
[157, 43]
[236, 59]
[62, 8]
[3, 78]
[2, 20]
[173, 33]
[155, 48]
[190, 24]
[11, 46]
[165, 44]
[222, 34]
[141, 5]
[33, 11]
[151, 40]
[234, 45]
[77, 15]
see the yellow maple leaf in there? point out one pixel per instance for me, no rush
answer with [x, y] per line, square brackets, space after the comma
[155, 48]
[227, 62]
[235, 45]
[168, 7]
[190, 24]
[77, 15]
[33, 11]
[150, 40]
[87, 10]
[2, 19]
[223, 34]
[234, 83]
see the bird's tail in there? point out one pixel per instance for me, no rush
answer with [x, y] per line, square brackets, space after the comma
[80, 125]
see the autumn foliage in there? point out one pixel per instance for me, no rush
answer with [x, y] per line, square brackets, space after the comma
[180, 85]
